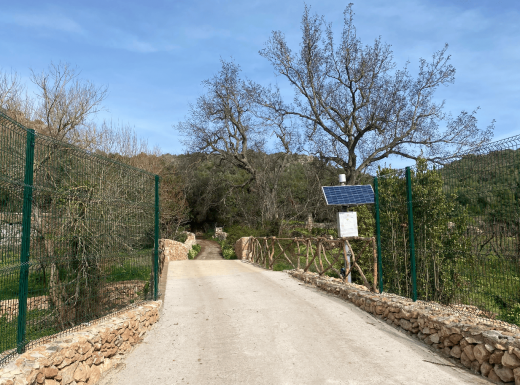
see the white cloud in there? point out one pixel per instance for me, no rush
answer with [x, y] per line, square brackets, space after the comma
[48, 21]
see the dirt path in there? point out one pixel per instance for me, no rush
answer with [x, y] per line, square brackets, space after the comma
[209, 250]
[228, 322]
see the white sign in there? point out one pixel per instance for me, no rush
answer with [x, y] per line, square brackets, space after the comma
[347, 224]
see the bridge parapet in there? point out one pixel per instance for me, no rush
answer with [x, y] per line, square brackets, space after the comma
[322, 255]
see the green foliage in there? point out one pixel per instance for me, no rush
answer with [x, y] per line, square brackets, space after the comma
[128, 271]
[195, 250]
[181, 237]
[40, 323]
[228, 250]
[437, 249]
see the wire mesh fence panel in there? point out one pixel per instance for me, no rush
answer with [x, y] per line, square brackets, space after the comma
[394, 233]
[466, 222]
[485, 186]
[88, 223]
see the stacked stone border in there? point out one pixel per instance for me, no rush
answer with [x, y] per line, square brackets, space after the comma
[486, 347]
[83, 357]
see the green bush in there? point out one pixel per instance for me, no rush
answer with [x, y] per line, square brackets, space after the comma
[195, 250]
[228, 250]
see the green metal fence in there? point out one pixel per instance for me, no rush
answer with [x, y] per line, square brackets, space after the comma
[452, 234]
[78, 236]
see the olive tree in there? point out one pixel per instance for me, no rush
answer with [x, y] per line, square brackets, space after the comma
[357, 109]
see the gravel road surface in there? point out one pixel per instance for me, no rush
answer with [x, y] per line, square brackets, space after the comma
[228, 322]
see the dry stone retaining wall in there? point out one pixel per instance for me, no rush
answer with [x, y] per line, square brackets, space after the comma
[489, 348]
[175, 251]
[82, 358]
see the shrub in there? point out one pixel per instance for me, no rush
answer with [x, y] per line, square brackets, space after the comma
[195, 250]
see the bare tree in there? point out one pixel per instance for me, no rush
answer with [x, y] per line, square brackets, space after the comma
[64, 102]
[356, 110]
[229, 123]
[222, 122]
[13, 97]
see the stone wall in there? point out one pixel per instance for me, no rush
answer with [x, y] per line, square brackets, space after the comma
[242, 248]
[175, 251]
[83, 357]
[487, 347]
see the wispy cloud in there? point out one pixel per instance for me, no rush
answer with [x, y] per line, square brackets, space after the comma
[47, 21]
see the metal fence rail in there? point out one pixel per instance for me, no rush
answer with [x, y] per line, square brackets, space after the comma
[78, 236]
[452, 234]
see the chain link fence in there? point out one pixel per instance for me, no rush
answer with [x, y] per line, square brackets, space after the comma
[79, 235]
[451, 234]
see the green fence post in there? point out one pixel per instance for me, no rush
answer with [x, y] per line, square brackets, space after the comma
[26, 243]
[378, 237]
[156, 251]
[410, 227]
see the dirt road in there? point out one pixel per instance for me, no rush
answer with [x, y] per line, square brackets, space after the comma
[209, 250]
[228, 322]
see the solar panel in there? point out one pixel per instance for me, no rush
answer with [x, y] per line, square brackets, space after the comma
[348, 195]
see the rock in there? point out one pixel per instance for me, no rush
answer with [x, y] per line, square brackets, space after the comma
[505, 374]
[40, 378]
[463, 343]
[485, 368]
[57, 359]
[493, 376]
[51, 382]
[496, 357]
[489, 348]
[481, 353]
[455, 338]
[405, 324]
[474, 339]
[426, 330]
[50, 372]
[45, 362]
[516, 373]
[435, 338]
[448, 343]
[510, 361]
[97, 358]
[68, 374]
[95, 375]
[465, 360]
[469, 352]
[82, 373]
[455, 351]
[516, 352]
[475, 367]
[446, 351]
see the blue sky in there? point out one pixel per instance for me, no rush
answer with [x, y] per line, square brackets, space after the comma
[154, 55]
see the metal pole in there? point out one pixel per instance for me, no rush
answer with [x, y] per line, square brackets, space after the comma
[26, 243]
[156, 251]
[378, 237]
[410, 228]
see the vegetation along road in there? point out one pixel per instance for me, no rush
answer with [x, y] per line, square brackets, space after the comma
[229, 322]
